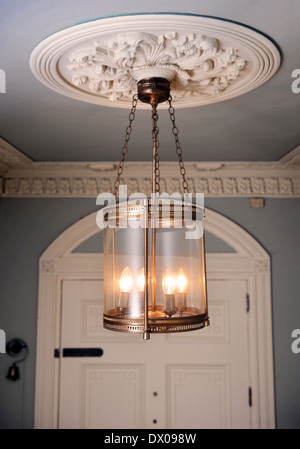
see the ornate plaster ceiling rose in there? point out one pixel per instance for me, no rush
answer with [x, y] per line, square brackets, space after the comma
[206, 60]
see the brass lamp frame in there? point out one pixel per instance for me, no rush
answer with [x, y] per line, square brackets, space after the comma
[154, 320]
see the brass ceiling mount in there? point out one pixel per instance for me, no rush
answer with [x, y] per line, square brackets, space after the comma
[153, 90]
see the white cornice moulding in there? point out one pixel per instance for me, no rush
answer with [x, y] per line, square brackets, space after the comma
[25, 178]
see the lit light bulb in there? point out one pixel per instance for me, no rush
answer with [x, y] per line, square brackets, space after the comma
[168, 283]
[181, 281]
[136, 302]
[141, 280]
[169, 287]
[181, 285]
[126, 282]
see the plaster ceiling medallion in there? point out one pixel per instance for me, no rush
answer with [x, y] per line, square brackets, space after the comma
[206, 60]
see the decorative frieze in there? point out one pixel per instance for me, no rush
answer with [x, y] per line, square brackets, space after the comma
[211, 186]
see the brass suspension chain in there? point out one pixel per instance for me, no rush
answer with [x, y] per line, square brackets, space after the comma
[125, 146]
[178, 147]
[155, 161]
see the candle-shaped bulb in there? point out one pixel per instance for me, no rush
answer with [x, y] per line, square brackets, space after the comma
[181, 285]
[141, 280]
[126, 281]
[168, 283]
[181, 281]
[169, 287]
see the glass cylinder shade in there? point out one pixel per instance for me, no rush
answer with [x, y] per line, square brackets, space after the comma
[154, 267]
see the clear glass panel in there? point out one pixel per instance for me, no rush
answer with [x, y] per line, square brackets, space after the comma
[179, 273]
[175, 273]
[124, 271]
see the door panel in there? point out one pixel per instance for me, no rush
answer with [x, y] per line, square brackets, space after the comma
[196, 379]
[188, 389]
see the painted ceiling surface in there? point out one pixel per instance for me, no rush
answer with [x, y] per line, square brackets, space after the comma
[262, 125]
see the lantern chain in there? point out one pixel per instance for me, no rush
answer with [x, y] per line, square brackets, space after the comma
[178, 147]
[155, 131]
[155, 162]
[125, 146]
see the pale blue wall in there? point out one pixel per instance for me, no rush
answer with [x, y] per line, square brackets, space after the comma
[28, 226]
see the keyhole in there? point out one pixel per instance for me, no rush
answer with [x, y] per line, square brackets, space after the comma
[154, 421]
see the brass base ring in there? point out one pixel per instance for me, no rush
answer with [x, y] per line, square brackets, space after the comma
[156, 326]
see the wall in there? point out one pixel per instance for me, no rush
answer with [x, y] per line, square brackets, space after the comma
[28, 226]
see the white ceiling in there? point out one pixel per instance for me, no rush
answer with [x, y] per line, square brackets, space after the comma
[261, 125]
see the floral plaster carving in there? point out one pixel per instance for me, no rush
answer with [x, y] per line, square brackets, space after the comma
[47, 266]
[261, 266]
[195, 64]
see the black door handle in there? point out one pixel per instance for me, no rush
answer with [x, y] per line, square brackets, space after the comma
[82, 352]
[79, 352]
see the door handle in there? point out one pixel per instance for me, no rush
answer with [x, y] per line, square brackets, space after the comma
[79, 352]
[82, 352]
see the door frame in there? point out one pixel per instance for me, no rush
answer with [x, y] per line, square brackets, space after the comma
[250, 262]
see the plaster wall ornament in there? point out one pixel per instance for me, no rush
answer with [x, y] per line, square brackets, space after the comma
[262, 266]
[47, 266]
[206, 59]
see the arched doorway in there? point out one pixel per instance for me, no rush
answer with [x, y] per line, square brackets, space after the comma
[240, 303]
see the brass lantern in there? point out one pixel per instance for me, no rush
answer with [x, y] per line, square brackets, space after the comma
[154, 256]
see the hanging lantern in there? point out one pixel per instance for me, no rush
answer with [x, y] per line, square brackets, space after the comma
[154, 256]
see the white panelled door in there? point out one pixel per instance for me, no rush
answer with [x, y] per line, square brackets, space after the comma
[189, 380]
